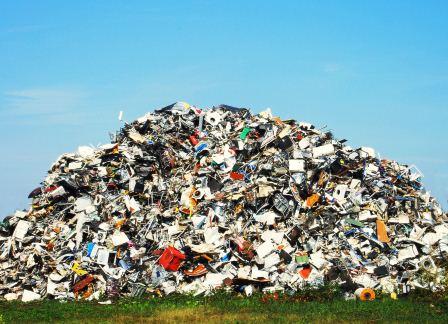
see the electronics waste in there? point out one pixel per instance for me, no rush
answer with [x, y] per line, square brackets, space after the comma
[186, 200]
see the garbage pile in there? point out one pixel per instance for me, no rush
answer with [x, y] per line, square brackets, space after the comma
[190, 201]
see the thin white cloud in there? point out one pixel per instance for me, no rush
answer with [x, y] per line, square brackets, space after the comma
[50, 105]
[43, 101]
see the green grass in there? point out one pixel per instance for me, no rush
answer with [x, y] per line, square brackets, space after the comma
[230, 308]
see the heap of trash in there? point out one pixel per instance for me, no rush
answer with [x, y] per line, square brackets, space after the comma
[185, 200]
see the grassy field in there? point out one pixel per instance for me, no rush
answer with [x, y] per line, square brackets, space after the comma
[230, 308]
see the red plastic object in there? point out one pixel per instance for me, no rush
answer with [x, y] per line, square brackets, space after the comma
[305, 273]
[171, 259]
[236, 176]
[193, 140]
[52, 188]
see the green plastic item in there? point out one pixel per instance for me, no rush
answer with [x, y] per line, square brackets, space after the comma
[354, 222]
[4, 225]
[302, 259]
[237, 167]
[244, 133]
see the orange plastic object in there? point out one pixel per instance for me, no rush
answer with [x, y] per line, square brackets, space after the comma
[365, 294]
[381, 231]
[120, 223]
[82, 283]
[198, 271]
[312, 200]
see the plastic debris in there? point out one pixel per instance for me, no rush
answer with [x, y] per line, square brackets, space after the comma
[365, 294]
[189, 200]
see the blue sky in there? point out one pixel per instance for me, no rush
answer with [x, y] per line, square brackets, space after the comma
[375, 72]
